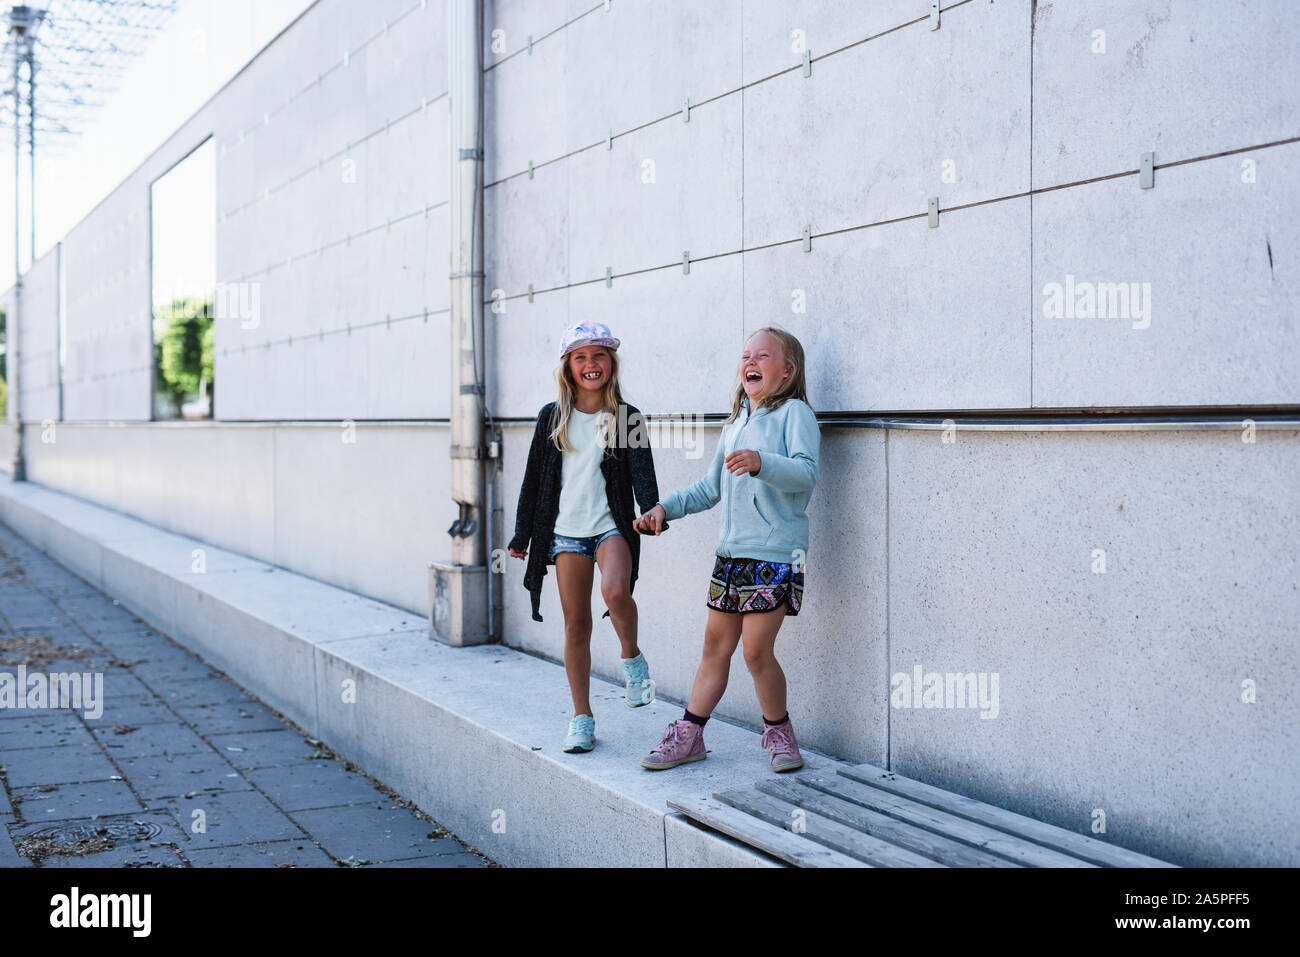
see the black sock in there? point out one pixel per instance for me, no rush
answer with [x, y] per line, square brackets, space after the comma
[771, 724]
[694, 718]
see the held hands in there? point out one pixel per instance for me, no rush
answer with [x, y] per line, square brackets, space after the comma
[743, 460]
[737, 463]
[651, 522]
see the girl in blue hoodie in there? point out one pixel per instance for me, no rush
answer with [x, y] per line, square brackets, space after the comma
[762, 474]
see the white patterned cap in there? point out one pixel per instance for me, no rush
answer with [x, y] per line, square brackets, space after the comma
[587, 332]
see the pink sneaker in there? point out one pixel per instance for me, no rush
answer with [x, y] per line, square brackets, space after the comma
[683, 742]
[779, 740]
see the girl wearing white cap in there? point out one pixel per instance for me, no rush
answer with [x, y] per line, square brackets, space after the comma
[590, 457]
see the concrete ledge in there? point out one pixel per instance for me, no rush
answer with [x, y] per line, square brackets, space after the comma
[471, 735]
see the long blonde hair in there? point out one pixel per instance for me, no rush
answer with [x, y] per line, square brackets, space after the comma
[611, 398]
[795, 387]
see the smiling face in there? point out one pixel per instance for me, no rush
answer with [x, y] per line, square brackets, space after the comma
[762, 366]
[590, 367]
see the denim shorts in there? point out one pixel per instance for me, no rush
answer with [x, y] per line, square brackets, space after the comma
[740, 585]
[583, 546]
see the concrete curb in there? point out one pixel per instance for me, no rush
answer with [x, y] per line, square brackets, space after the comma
[471, 735]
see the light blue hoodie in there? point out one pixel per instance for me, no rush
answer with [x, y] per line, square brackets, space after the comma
[762, 515]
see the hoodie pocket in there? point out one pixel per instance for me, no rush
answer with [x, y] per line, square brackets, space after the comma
[766, 535]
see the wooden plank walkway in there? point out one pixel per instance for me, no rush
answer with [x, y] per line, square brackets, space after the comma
[864, 816]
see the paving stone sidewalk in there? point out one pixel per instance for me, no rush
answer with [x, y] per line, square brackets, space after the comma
[183, 768]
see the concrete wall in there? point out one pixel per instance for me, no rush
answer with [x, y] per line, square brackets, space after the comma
[1004, 100]
[332, 186]
[331, 193]
[332, 217]
[1125, 587]
[364, 507]
[108, 374]
[1120, 688]
[40, 348]
[970, 556]
[332, 190]
[1005, 97]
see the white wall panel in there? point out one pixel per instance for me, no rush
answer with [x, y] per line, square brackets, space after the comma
[681, 334]
[367, 515]
[867, 136]
[527, 223]
[1183, 79]
[295, 496]
[902, 316]
[526, 96]
[1120, 688]
[524, 343]
[641, 60]
[769, 29]
[109, 368]
[39, 340]
[693, 202]
[346, 168]
[1213, 260]
[517, 20]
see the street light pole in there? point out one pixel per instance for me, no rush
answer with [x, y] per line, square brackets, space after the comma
[31, 137]
[23, 21]
[13, 361]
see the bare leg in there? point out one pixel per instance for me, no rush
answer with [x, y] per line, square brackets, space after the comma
[760, 630]
[574, 573]
[615, 560]
[721, 635]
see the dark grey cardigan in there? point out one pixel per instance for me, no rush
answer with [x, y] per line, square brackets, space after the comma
[629, 470]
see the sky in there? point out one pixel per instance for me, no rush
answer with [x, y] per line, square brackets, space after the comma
[205, 44]
[185, 258]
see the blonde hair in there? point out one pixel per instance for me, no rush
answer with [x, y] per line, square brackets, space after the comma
[611, 397]
[794, 387]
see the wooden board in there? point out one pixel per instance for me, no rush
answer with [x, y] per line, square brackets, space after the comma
[823, 830]
[1048, 835]
[777, 841]
[932, 844]
[1006, 846]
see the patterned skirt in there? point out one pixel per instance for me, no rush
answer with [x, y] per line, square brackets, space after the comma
[739, 585]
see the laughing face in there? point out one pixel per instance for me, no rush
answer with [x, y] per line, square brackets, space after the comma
[590, 367]
[763, 367]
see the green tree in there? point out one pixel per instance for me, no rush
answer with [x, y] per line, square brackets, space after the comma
[183, 350]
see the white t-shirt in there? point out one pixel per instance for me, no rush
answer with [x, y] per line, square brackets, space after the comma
[584, 506]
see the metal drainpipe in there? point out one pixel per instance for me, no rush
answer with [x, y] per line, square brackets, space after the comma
[13, 360]
[459, 590]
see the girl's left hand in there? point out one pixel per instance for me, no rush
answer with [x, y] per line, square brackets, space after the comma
[743, 460]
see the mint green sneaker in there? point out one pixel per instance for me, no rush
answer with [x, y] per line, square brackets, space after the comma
[640, 686]
[582, 734]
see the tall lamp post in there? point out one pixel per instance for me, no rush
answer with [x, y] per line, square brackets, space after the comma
[23, 22]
